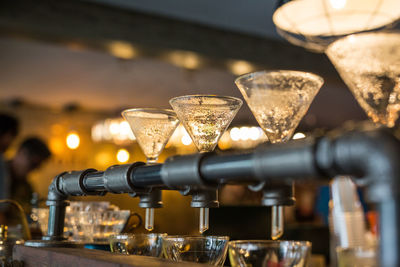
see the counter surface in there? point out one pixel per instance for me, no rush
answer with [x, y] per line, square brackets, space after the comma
[68, 257]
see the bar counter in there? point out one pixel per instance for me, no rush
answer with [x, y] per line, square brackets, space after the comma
[80, 257]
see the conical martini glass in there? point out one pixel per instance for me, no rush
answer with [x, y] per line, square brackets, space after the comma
[205, 118]
[279, 100]
[152, 129]
[369, 64]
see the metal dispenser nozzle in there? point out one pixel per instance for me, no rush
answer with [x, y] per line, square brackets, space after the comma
[149, 201]
[276, 196]
[204, 196]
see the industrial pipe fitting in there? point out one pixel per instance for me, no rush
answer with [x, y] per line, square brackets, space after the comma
[117, 178]
[72, 182]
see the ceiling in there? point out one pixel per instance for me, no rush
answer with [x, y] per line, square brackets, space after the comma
[252, 17]
[52, 74]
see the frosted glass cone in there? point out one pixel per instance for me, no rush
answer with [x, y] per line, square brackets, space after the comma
[205, 117]
[279, 99]
[369, 64]
[152, 128]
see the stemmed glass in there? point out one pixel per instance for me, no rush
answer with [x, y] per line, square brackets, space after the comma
[205, 118]
[152, 128]
[279, 100]
[202, 249]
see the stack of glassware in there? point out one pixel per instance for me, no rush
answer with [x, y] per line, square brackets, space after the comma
[88, 221]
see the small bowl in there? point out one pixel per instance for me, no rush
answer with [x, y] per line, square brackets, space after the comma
[137, 244]
[202, 249]
[258, 253]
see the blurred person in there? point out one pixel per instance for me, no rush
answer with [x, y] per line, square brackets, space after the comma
[30, 155]
[8, 131]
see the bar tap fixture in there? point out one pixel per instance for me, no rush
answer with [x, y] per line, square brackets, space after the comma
[372, 156]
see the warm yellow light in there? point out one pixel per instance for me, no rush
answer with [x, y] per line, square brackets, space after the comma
[56, 129]
[299, 135]
[254, 133]
[73, 140]
[239, 67]
[235, 134]
[114, 127]
[122, 50]
[56, 145]
[225, 141]
[338, 4]
[103, 159]
[188, 60]
[123, 155]
[244, 133]
[186, 140]
[125, 130]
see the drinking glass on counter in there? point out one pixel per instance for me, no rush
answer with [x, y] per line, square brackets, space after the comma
[95, 226]
[137, 244]
[88, 221]
[260, 253]
[201, 249]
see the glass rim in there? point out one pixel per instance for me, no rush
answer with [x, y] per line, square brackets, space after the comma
[195, 237]
[100, 211]
[129, 235]
[256, 73]
[355, 36]
[270, 242]
[230, 98]
[165, 111]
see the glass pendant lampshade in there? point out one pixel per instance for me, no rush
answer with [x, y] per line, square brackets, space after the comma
[314, 24]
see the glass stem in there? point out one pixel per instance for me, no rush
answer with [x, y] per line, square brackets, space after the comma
[277, 222]
[203, 225]
[149, 220]
[151, 161]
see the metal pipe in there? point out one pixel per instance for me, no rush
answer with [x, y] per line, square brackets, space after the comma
[56, 200]
[389, 225]
[231, 167]
[56, 222]
[148, 175]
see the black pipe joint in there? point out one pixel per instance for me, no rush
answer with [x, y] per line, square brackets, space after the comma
[117, 178]
[71, 183]
[205, 199]
[373, 157]
[278, 195]
[151, 199]
[55, 196]
[185, 170]
[275, 193]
